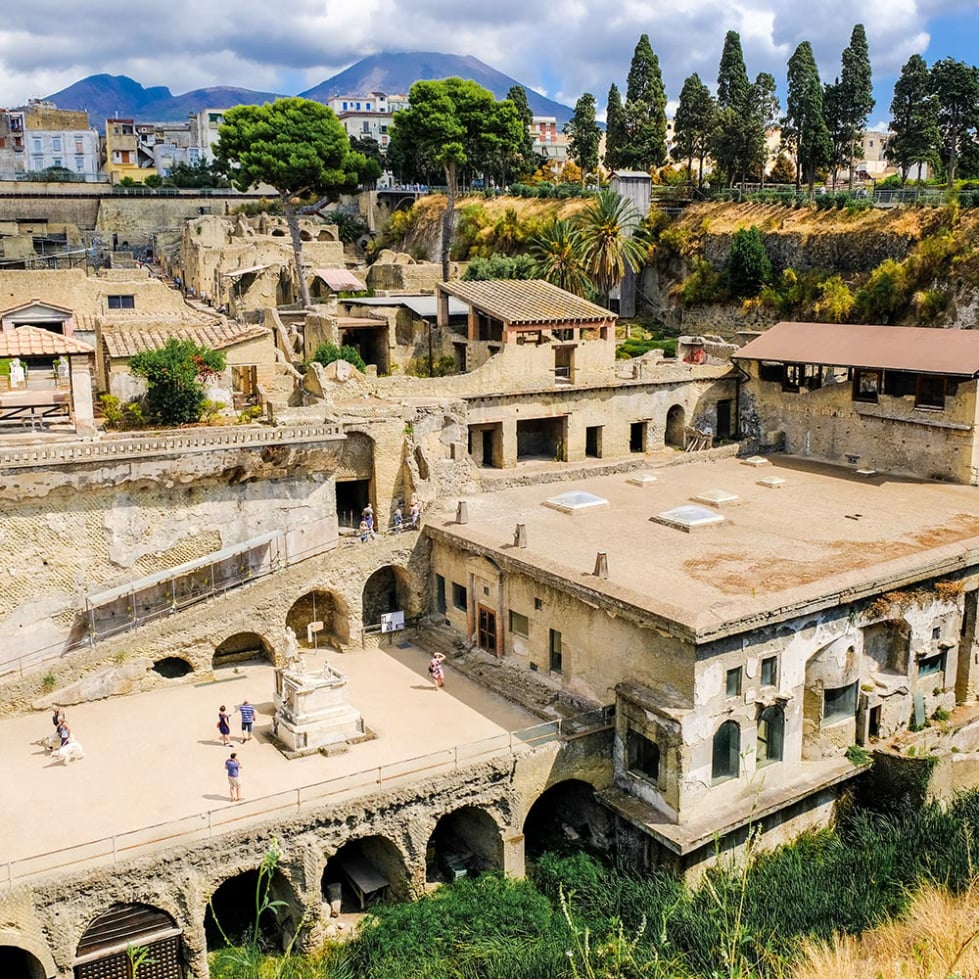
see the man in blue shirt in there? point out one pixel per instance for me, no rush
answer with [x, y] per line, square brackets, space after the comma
[247, 712]
[233, 768]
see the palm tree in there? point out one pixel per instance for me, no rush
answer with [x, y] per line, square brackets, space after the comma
[556, 252]
[606, 229]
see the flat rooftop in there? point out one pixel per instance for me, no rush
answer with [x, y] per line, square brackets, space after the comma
[824, 535]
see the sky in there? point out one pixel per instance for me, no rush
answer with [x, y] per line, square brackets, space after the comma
[561, 48]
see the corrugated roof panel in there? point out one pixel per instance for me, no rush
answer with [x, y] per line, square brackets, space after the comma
[520, 301]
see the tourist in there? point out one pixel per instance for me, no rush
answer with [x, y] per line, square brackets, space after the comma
[368, 515]
[247, 712]
[233, 768]
[64, 732]
[224, 724]
[436, 671]
[415, 512]
[399, 521]
[365, 531]
[57, 716]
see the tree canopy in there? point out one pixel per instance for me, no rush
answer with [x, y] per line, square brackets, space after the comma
[956, 87]
[584, 135]
[453, 124]
[174, 380]
[804, 127]
[914, 118]
[295, 145]
[615, 128]
[693, 124]
[608, 246]
[644, 145]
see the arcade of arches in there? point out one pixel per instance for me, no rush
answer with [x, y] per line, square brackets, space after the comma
[320, 606]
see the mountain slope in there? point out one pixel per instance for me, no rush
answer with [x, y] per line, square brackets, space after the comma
[395, 73]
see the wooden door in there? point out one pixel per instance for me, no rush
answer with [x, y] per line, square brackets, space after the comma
[486, 629]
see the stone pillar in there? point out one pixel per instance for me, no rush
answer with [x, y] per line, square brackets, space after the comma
[509, 438]
[514, 864]
[82, 408]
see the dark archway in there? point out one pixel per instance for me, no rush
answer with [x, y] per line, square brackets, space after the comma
[567, 814]
[172, 668]
[387, 590]
[464, 843]
[676, 420]
[101, 951]
[18, 963]
[231, 913]
[320, 606]
[358, 870]
[240, 647]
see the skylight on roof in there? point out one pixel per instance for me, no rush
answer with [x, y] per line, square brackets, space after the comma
[716, 498]
[576, 501]
[689, 517]
[642, 479]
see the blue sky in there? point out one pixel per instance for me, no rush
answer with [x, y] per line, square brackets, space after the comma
[561, 49]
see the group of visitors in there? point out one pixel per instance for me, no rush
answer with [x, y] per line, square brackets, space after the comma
[398, 521]
[232, 765]
[61, 729]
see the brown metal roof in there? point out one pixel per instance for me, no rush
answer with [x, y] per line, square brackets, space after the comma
[526, 301]
[896, 348]
[216, 336]
[32, 341]
[340, 280]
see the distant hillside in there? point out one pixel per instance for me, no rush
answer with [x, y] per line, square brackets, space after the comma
[391, 73]
[108, 96]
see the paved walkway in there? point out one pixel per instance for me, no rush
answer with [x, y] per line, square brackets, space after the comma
[157, 756]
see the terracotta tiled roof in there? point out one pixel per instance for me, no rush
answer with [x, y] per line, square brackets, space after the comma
[897, 348]
[527, 301]
[216, 336]
[32, 341]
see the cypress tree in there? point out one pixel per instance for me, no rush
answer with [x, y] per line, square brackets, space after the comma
[956, 87]
[732, 76]
[584, 135]
[856, 95]
[914, 121]
[693, 124]
[615, 132]
[645, 110]
[804, 127]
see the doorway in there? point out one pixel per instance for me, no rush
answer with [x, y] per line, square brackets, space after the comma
[724, 419]
[486, 629]
[593, 441]
[637, 437]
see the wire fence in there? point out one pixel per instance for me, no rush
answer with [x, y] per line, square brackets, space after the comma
[211, 823]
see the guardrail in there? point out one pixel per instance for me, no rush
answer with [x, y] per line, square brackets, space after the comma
[215, 822]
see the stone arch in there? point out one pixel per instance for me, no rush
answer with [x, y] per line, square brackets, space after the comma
[465, 841]
[101, 950]
[320, 605]
[24, 957]
[231, 911]
[242, 646]
[355, 479]
[375, 856]
[566, 812]
[388, 589]
[676, 420]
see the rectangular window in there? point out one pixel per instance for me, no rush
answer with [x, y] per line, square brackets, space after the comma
[56, 144]
[929, 665]
[80, 164]
[538, 604]
[519, 624]
[440, 594]
[643, 758]
[769, 671]
[79, 146]
[866, 386]
[121, 302]
[459, 597]
[556, 661]
[37, 145]
[936, 632]
[732, 683]
[839, 703]
[931, 392]
[56, 162]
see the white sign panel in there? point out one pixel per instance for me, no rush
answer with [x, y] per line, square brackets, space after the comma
[392, 621]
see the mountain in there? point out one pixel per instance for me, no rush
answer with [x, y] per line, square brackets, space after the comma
[108, 96]
[395, 73]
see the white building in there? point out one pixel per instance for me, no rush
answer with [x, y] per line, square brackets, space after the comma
[204, 134]
[368, 116]
[42, 136]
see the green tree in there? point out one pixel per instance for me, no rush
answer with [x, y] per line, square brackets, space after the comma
[856, 91]
[645, 111]
[295, 145]
[500, 267]
[732, 76]
[174, 379]
[914, 118]
[693, 125]
[748, 267]
[608, 245]
[804, 128]
[327, 353]
[956, 87]
[557, 255]
[198, 174]
[453, 124]
[525, 159]
[584, 135]
[615, 129]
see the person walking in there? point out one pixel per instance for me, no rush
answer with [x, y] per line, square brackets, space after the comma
[399, 521]
[233, 767]
[365, 531]
[415, 512]
[436, 670]
[64, 732]
[247, 712]
[224, 724]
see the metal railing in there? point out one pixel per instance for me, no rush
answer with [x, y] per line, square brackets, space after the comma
[215, 822]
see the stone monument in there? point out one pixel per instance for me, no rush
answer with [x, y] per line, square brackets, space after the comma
[311, 709]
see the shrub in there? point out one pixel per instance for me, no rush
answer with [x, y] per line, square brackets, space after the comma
[174, 376]
[327, 353]
[500, 267]
[704, 284]
[836, 301]
[748, 267]
[884, 295]
[153, 180]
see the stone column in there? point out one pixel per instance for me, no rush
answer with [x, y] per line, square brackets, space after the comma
[514, 864]
[82, 407]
